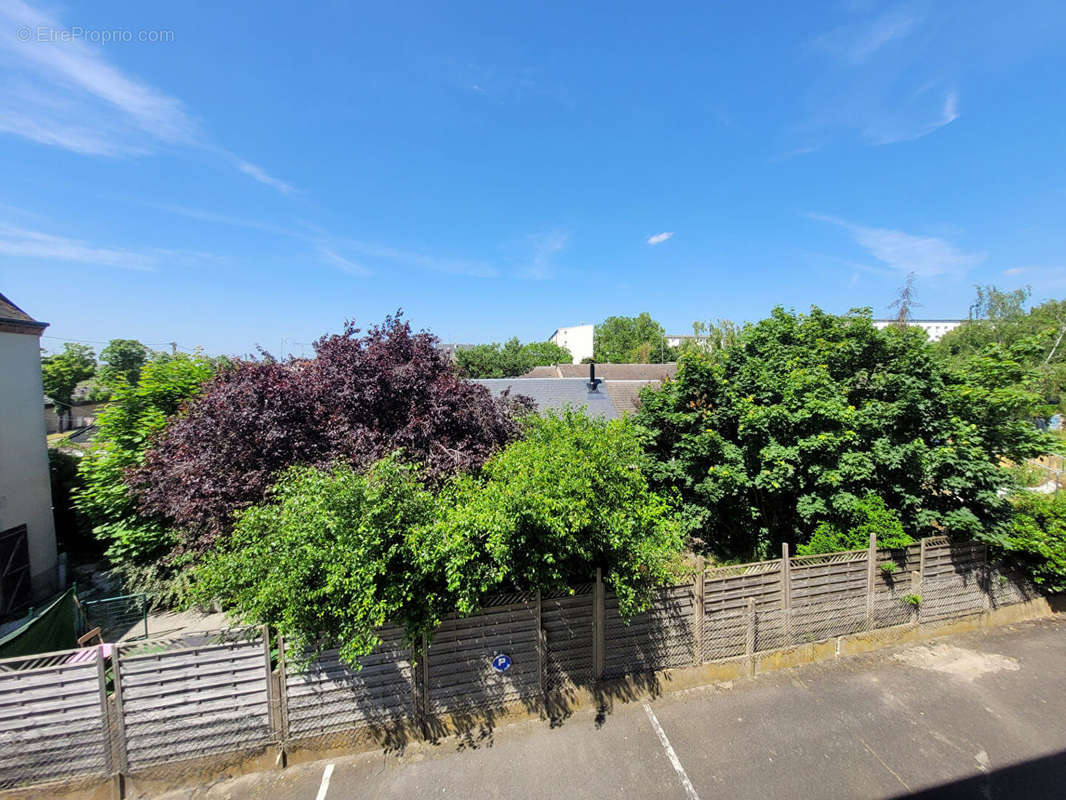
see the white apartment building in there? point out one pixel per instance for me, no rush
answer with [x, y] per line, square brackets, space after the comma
[577, 339]
[934, 328]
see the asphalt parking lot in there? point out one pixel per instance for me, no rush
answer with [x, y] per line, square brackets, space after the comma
[976, 715]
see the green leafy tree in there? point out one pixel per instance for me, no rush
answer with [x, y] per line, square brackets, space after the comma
[122, 360]
[136, 542]
[1037, 538]
[61, 373]
[868, 515]
[331, 558]
[806, 415]
[568, 497]
[626, 340]
[544, 354]
[494, 360]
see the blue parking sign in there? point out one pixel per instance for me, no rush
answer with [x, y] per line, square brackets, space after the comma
[501, 662]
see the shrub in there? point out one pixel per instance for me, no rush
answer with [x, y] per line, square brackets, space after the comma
[331, 556]
[568, 497]
[1037, 538]
[869, 515]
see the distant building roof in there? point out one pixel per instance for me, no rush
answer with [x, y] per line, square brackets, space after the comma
[557, 393]
[14, 320]
[610, 372]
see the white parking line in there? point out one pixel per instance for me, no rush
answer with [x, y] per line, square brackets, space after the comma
[324, 786]
[685, 782]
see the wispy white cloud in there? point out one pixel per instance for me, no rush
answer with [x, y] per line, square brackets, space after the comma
[906, 252]
[894, 130]
[263, 177]
[659, 238]
[25, 243]
[541, 263]
[857, 42]
[62, 92]
[887, 76]
[340, 262]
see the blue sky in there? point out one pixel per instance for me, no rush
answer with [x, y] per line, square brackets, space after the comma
[498, 170]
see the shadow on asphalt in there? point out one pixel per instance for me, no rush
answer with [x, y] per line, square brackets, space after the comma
[1039, 779]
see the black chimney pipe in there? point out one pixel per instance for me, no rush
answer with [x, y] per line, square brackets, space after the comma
[593, 382]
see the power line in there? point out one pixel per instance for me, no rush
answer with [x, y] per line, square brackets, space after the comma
[97, 341]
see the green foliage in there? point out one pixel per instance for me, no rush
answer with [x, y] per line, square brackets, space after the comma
[805, 415]
[912, 599]
[135, 542]
[546, 353]
[1037, 538]
[568, 497]
[121, 361]
[334, 556]
[628, 340]
[508, 360]
[62, 372]
[712, 338]
[1036, 339]
[865, 516]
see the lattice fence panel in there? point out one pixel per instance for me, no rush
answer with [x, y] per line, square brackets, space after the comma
[461, 675]
[184, 703]
[327, 696]
[567, 623]
[53, 721]
[661, 638]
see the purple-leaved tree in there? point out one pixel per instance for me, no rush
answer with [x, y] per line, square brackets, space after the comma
[361, 398]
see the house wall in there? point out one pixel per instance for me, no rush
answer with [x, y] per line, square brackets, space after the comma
[81, 415]
[577, 339]
[25, 490]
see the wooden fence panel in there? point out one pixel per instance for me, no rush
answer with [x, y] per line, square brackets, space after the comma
[181, 704]
[461, 652]
[53, 724]
[327, 696]
[661, 638]
[567, 623]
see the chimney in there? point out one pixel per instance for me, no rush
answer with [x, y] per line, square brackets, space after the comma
[593, 383]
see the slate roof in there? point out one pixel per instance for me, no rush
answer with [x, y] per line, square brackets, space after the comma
[13, 318]
[626, 394]
[557, 393]
[617, 372]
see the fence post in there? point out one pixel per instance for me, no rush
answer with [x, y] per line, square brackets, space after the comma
[283, 702]
[121, 760]
[599, 655]
[105, 716]
[542, 649]
[697, 611]
[422, 710]
[871, 570]
[786, 592]
[749, 639]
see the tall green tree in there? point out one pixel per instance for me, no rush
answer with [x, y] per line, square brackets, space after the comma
[510, 359]
[122, 360]
[544, 354]
[136, 542]
[627, 340]
[62, 372]
[806, 416]
[494, 360]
